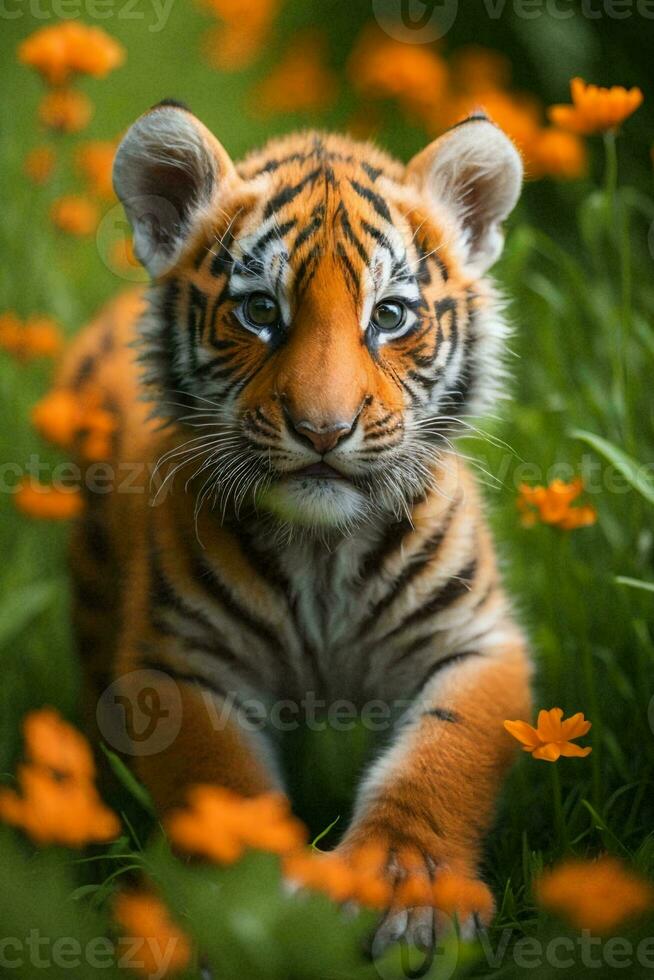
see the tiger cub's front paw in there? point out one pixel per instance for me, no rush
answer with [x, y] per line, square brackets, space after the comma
[423, 892]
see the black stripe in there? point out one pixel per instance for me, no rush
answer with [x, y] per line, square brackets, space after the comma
[436, 667]
[207, 579]
[276, 163]
[304, 267]
[210, 641]
[378, 235]
[350, 271]
[460, 392]
[222, 261]
[455, 587]
[443, 714]
[163, 596]
[310, 229]
[425, 257]
[389, 543]
[476, 117]
[84, 371]
[150, 662]
[277, 232]
[174, 379]
[197, 312]
[288, 194]
[414, 567]
[373, 172]
[378, 203]
[352, 237]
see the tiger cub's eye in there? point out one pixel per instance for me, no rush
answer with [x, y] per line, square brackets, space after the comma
[261, 310]
[388, 315]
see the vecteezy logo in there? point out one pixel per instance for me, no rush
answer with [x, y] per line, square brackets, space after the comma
[401, 961]
[140, 713]
[415, 21]
[112, 240]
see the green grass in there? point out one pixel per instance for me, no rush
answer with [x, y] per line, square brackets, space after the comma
[583, 305]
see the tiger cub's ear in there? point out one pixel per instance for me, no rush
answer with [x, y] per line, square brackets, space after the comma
[167, 171]
[476, 171]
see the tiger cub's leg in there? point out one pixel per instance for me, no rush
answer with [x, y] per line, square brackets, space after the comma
[183, 734]
[432, 795]
[95, 605]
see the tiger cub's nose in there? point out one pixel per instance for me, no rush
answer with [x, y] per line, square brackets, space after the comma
[323, 438]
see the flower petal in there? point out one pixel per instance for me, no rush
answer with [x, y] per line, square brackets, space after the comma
[570, 750]
[548, 753]
[575, 726]
[524, 733]
[549, 724]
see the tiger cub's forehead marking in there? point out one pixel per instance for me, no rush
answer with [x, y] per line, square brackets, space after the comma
[320, 202]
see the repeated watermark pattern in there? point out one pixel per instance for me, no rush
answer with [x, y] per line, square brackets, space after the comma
[425, 21]
[152, 14]
[38, 952]
[133, 477]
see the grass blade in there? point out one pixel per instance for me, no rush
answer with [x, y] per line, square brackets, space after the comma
[630, 468]
[634, 583]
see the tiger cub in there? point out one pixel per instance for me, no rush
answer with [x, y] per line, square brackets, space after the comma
[297, 522]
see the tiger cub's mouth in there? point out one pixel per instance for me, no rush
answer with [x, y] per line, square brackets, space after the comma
[317, 471]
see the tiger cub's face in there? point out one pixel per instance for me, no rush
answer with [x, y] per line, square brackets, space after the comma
[320, 318]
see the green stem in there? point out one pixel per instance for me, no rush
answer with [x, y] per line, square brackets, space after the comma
[611, 175]
[594, 715]
[559, 818]
[618, 232]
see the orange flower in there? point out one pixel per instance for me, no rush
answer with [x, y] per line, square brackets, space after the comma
[47, 502]
[595, 109]
[57, 811]
[39, 336]
[546, 151]
[301, 81]
[144, 916]
[326, 873]
[242, 36]
[76, 419]
[357, 877]
[552, 505]
[381, 67]
[95, 162]
[555, 153]
[596, 895]
[517, 114]
[477, 70]
[58, 802]
[553, 737]
[39, 164]
[44, 338]
[456, 894]
[50, 742]
[65, 110]
[220, 825]
[74, 214]
[69, 48]
[56, 417]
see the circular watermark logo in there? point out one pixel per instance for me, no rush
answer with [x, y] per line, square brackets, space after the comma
[114, 244]
[404, 961]
[415, 21]
[140, 713]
